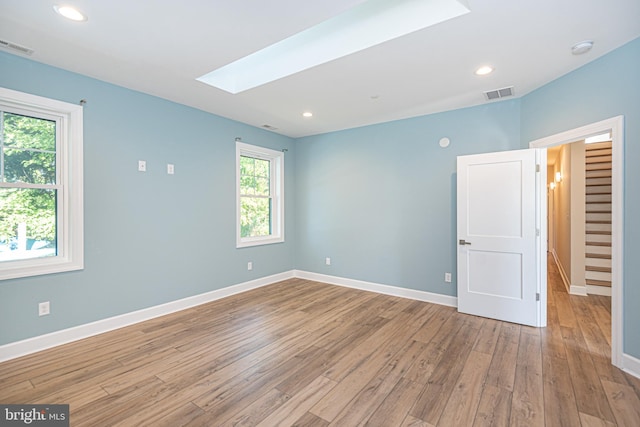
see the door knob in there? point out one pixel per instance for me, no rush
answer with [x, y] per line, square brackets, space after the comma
[463, 242]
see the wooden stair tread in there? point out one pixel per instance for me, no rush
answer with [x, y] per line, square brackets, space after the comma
[598, 283]
[598, 243]
[596, 268]
[598, 256]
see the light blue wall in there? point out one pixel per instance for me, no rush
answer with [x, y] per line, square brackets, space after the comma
[380, 200]
[150, 238]
[605, 88]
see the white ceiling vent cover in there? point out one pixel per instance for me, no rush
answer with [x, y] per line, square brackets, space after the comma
[498, 93]
[16, 47]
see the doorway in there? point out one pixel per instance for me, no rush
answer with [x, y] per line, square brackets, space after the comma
[615, 126]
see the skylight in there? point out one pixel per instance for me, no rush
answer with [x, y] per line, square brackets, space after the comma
[368, 24]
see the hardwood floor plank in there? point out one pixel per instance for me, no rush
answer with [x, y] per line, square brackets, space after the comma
[591, 421]
[328, 355]
[488, 336]
[551, 336]
[435, 394]
[502, 370]
[494, 408]
[410, 421]
[304, 353]
[591, 332]
[440, 316]
[528, 408]
[433, 353]
[117, 406]
[299, 404]
[374, 392]
[162, 416]
[364, 364]
[258, 410]
[559, 399]
[79, 396]
[589, 394]
[310, 420]
[566, 316]
[463, 402]
[10, 393]
[624, 402]
[394, 408]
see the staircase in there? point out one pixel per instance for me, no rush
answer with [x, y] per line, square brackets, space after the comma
[598, 217]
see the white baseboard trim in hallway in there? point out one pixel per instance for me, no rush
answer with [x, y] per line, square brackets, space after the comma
[631, 365]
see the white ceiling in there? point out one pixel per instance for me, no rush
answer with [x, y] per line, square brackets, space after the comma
[160, 47]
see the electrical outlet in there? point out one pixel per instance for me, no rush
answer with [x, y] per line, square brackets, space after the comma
[447, 277]
[249, 266]
[43, 308]
[142, 166]
[170, 169]
[327, 261]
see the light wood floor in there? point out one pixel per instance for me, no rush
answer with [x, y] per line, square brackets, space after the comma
[310, 354]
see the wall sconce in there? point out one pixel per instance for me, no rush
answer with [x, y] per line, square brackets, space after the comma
[552, 185]
[558, 177]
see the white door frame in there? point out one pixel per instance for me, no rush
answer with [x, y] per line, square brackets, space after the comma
[616, 126]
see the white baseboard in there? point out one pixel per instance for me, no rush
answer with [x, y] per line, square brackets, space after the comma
[599, 290]
[563, 274]
[381, 289]
[578, 290]
[53, 339]
[631, 365]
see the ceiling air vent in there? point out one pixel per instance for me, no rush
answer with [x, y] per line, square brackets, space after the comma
[498, 93]
[16, 47]
[269, 127]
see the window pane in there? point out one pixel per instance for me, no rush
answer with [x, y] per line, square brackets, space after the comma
[255, 217]
[34, 167]
[247, 185]
[246, 165]
[29, 132]
[27, 223]
[254, 176]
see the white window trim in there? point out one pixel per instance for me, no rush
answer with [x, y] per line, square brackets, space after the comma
[70, 224]
[277, 203]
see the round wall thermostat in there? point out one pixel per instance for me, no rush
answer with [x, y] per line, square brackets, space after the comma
[444, 142]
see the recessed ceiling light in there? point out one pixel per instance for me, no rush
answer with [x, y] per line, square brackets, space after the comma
[582, 47]
[70, 12]
[484, 70]
[307, 114]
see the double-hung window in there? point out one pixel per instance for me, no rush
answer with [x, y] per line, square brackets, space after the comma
[260, 195]
[41, 220]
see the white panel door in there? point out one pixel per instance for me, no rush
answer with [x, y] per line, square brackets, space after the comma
[497, 236]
